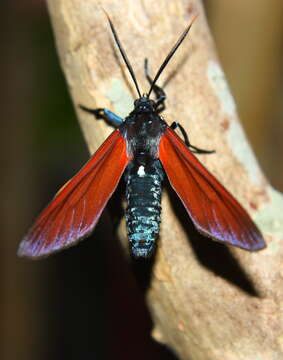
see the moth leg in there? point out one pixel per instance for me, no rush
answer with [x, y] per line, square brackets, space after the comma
[100, 113]
[193, 148]
[158, 91]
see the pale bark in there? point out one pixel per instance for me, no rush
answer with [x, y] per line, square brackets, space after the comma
[206, 302]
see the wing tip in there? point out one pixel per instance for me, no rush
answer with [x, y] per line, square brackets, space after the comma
[254, 246]
[29, 251]
[257, 246]
[25, 251]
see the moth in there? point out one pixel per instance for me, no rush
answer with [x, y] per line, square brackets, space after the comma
[144, 149]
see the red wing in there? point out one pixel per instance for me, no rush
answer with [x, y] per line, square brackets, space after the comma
[213, 210]
[76, 208]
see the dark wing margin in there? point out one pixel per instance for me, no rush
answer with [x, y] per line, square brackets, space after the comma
[213, 210]
[77, 206]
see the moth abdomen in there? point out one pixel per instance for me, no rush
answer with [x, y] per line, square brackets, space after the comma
[143, 194]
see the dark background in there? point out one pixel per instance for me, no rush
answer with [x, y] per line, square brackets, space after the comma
[74, 305]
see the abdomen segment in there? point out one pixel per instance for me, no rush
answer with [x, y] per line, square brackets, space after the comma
[143, 193]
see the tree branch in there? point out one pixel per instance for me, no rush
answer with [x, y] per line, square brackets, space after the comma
[207, 301]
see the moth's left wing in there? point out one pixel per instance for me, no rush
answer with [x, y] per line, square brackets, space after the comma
[77, 206]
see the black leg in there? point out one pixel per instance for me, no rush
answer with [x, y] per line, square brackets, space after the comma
[105, 114]
[158, 91]
[193, 148]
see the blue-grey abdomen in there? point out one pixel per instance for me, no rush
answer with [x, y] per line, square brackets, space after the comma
[143, 193]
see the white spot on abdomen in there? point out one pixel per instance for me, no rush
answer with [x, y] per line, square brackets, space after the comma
[141, 171]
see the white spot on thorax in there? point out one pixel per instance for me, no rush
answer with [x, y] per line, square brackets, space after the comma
[141, 171]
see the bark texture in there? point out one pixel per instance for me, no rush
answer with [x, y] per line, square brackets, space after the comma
[206, 301]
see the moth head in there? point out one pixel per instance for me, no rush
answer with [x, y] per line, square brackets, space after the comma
[143, 104]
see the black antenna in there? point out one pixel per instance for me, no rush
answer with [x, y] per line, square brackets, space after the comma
[122, 51]
[171, 53]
